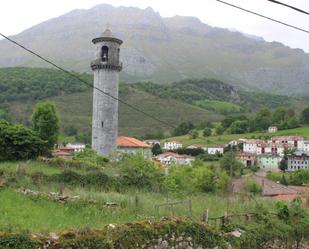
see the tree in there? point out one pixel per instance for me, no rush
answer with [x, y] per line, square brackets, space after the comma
[219, 130]
[283, 164]
[207, 132]
[183, 128]
[279, 115]
[239, 127]
[70, 130]
[305, 116]
[229, 163]
[193, 134]
[19, 143]
[139, 172]
[156, 149]
[261, 120]
[45, 122]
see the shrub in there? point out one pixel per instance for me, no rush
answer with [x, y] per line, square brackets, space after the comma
[17, 241]
[253, 187]
[139, 172]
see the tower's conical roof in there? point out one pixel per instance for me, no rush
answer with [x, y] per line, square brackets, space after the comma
[107, 35]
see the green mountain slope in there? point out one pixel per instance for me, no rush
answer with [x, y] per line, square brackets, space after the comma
[164, 50]
[195, 100]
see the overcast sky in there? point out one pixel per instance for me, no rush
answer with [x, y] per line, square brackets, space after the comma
[17, 15]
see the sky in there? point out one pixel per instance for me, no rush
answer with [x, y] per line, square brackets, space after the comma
[18, 15]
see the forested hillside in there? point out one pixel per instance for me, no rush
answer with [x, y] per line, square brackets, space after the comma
[195, 100]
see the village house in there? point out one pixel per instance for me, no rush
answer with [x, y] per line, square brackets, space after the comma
[298, 160]
[172, 145]
[251, 145]
[152, 142]
[269, 162]
[78, 147]
[303, 146]
[168, 158]
[272, 148]
[272, 129]
[287, 140]
[130, 145]
[216, 150]
[247, 159]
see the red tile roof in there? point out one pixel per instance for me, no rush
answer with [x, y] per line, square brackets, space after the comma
[131, 142]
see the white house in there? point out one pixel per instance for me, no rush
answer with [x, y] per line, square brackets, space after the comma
[168, 158]
[251, 146]
[303, 146]
[172, 145]
[272, 129]
[76, 146]
[216, 149]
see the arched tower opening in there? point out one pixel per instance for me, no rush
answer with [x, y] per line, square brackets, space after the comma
[104, 54]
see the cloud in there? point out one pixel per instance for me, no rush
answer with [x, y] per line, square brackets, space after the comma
[16, 15]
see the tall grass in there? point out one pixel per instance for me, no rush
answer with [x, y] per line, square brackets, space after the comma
[19, 212]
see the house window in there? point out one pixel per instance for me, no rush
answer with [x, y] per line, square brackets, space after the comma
[104, 54]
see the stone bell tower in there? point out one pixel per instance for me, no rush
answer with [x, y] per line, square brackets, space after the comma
[106, 67]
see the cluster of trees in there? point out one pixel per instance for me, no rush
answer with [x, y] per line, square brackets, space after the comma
[185, 128]
[18, 142]
[260, 121]
[37, 83]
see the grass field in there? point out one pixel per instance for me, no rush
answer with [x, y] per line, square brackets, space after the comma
[225, 138]
[19, 212]
[36, 213]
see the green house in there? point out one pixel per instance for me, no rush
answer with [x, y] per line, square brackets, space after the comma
[269, 162]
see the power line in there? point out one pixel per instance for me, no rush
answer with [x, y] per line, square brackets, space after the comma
[266, 17]
[85, 82]
[289, 6]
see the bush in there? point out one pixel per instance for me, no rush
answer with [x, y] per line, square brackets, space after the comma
[90, 156]
[253, 187]
[17, 241]
[19, 143]
[139, 172]
[196, 179]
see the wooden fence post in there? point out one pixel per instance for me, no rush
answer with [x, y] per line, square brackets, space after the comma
[205, 216]
[137, 201]
[190, 209]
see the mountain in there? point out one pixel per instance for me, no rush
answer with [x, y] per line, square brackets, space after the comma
[195, 100]
[164, 50]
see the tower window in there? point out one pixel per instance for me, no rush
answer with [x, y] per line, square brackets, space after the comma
[104, 54]
[102, 124]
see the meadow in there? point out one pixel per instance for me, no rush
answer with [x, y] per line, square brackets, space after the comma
[40, 213]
